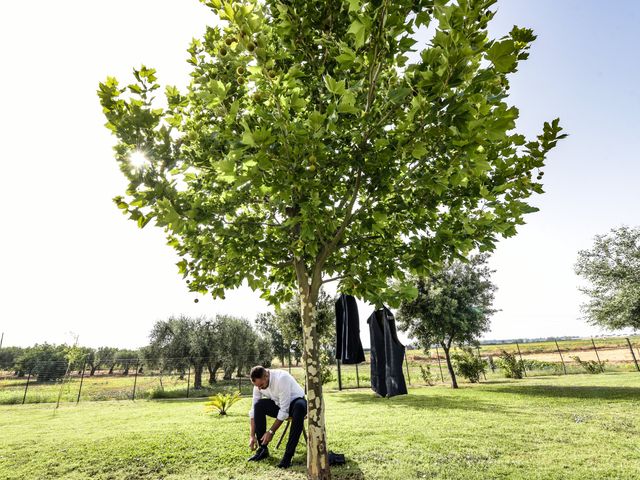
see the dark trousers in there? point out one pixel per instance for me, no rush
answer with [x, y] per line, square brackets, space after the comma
[297, 412]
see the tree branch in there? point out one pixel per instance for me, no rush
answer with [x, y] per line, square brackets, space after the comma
[333, 279]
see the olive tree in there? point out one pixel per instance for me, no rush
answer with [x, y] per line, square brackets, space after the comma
[612, 268]
[453, 306]
[318, 140]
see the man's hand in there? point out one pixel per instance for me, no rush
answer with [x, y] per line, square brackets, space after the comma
[266, 438]
[252, 442]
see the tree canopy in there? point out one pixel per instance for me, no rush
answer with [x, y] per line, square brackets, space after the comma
[612, 269]
[453, 306]
[317, 140]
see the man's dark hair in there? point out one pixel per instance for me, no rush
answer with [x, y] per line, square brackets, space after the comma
[257, 372]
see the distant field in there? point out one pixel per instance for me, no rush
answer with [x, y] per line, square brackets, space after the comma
[613, 351]
[572, 427]
[568, 345]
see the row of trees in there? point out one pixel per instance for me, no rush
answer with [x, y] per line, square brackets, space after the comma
[224, 344]
[50, 362]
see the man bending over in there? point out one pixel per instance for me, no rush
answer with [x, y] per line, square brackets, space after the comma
[276, 394]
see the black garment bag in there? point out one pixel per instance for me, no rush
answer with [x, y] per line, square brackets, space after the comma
[348, 344]
[387, 355]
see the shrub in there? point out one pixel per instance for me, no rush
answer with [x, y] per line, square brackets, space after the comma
[469, 365]
[591, 366]
[427, 376]
[531, 365]
[222, 402]
[513, 368]
[326, 374]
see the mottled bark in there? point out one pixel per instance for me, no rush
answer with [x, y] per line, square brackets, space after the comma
[317, 459]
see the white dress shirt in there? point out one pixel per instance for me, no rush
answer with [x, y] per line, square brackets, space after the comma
[282, 389]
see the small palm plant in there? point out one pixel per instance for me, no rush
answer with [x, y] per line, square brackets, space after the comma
[222, 402]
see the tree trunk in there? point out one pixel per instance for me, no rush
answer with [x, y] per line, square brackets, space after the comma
[213, 369]
[317, 459]
[445, 347]
[197, 378]
[93, 371]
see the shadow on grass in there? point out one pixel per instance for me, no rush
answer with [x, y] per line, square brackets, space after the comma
[349, 471]
[452, 400]
[556, 391]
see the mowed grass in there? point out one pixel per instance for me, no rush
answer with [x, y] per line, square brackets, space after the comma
[569, 427]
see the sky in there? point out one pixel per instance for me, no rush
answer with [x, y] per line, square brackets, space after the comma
[72, 265]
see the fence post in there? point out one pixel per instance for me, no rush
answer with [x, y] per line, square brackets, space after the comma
[478, 350]
[439, 364]
[339, 375]
[633, 354]
[84, 365]
[24, 397]
[357, 377]
[62, 383]
[561, 359]
[524, 369]
[188, 380]
[596, 350]
[135, 380]
[406, 362]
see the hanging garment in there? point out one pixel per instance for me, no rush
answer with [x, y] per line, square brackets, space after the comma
[387, 355]
[348, 344]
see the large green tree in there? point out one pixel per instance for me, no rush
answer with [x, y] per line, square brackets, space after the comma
[612, 269]
[288, 321]
[268, 327]
[453, 306]
[319, 140]
[182, 341]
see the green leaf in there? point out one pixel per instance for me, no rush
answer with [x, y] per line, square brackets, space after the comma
[481, 166]
[399, 94]
[354, 5]
[419, 151]
[502, 55]
[346, 58]
[337, 88]
[347, 103]
[247, 139]
[316, 120]
[357, 29]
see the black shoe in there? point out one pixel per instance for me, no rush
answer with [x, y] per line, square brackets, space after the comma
[284, 463]
[261, 454]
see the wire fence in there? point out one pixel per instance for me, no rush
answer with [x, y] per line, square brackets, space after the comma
[132, 379]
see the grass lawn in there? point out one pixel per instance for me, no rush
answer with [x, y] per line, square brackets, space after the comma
[569, 427]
